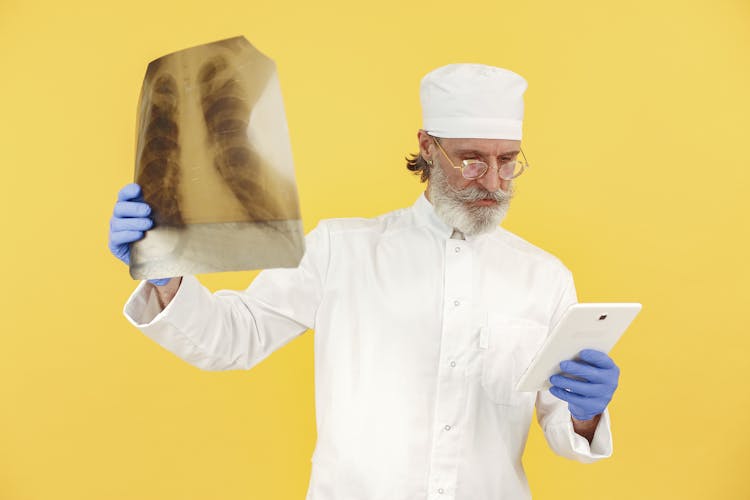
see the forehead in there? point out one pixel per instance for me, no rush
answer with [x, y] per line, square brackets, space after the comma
[488, 147]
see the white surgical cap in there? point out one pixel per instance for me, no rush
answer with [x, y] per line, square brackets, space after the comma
[472, 101]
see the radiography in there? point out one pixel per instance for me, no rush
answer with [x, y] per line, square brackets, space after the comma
[214, 160]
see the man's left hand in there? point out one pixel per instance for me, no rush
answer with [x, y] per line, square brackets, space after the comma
[588, 397]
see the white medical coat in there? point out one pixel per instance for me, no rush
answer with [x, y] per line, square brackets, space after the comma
[419, 339]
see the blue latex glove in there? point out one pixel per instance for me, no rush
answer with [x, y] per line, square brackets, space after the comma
[130, 220]
[589, 397]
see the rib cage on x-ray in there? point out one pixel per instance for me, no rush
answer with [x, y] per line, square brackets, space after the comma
[226, 107]
[160, 169]
[209, 152]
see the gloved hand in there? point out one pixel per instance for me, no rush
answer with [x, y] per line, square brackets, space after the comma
[589, 397]
[128, 224]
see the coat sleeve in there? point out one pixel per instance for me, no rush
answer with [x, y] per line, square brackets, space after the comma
[236, 329]
[553, 414]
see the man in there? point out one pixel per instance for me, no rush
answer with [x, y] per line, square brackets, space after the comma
[424, 318]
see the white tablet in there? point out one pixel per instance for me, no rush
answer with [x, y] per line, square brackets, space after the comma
[583, 326]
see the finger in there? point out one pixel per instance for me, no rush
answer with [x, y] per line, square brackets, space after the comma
[130, 224]
[586, 389]
[129, 192]
[123, 237]
[596, 358]
[131, 209]
[570, 397]
[588, 372]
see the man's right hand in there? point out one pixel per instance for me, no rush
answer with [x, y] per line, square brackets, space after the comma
[130, 221]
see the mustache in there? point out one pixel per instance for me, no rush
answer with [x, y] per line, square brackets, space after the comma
[475, 193]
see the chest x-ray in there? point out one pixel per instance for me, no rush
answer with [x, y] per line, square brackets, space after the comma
[214, 161]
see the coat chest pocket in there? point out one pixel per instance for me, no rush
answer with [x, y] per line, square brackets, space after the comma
[507, 346]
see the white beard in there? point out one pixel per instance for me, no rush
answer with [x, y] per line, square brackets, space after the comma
[454, 206]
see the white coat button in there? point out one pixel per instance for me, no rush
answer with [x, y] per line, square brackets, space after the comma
[447, 427]
[441, 490]
[458, 249]
[453, 364]
[456, 303]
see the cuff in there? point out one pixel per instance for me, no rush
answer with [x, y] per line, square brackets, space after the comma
[577, 447]
[601, 443]
[143, 310]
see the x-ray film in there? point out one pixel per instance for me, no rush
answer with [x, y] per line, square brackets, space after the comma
[214, 161]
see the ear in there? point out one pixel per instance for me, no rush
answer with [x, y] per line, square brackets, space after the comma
[424, 145]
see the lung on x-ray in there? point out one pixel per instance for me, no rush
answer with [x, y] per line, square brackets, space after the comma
[214, 161]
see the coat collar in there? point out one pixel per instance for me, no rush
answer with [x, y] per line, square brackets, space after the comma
[425, 214]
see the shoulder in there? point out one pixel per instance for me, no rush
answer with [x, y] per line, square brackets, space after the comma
[526, 250]
[390, 222]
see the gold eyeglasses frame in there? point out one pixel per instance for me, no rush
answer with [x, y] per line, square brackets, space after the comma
[465, 163]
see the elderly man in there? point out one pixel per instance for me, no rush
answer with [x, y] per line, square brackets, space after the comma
[424, 318]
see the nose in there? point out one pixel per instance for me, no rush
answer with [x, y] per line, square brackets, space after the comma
[490, 180]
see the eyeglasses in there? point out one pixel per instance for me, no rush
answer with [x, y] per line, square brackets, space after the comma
[474, 169]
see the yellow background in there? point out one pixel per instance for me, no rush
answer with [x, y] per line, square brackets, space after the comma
[636, 126]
